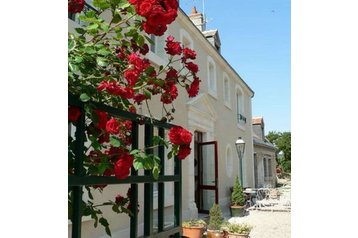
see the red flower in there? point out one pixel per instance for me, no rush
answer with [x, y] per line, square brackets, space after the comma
[73, 113]
[102, 119]
[188, 54]
[192, 67]
[119, 199]
[171, 77]
[132, 76]
[112, 126]
[169, 95]
[75, 6]
[144, 49]
[129, 192]
[139, 98]
[123, 165]
[173, 47]
[184, 151]
[193, 90]
[179, 136]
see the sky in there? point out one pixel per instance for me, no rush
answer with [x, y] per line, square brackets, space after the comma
[255, 39]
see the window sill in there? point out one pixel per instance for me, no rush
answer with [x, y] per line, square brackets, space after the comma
[213, 93]
[242, 127]
[227, 104]
[156, 59]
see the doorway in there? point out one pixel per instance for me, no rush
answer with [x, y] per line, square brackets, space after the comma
[206, 173]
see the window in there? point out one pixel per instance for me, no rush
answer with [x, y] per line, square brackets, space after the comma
[158, 45]
[187, 42]
[212, 77]
[226, 91]
[241, 119]
[267, 167]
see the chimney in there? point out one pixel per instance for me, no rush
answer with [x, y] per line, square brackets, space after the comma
[197, 19]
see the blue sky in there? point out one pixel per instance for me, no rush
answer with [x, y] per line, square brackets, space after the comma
[255, 40]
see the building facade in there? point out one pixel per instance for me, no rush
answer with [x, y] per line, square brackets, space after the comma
[264, 156]
[216, 117]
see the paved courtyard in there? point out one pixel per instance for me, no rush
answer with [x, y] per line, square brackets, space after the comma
[271, 221]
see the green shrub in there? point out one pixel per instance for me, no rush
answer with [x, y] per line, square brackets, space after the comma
[237, 195]
[193, 223]
[238, 228]
[216, 217]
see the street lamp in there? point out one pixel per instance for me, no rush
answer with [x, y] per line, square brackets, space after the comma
[240, 148]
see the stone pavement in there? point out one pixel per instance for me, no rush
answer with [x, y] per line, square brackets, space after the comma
[271, 221]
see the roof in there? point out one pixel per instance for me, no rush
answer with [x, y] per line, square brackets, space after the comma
[257, 120]
[264, 143]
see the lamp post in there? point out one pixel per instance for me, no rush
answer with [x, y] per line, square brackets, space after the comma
[240, 148]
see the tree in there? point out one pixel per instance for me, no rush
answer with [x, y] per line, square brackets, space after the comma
[282, 140]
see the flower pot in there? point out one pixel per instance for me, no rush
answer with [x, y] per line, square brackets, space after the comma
[237, 211]
[234, 235]
[193, 232]
[214, 234]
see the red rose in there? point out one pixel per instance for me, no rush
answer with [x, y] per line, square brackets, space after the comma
[179, 136]
[188, 54]
[193, 90]
[75, 6]
[123, 165]
[144, 49]
[112, 126]
[184, 151]
[192, 67]
[119, 199]
[173, 47]
[131, 75]
[169, 95]
[73, 113]
[102, 119]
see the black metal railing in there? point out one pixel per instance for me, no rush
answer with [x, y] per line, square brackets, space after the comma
[78, 179]
[241, 119]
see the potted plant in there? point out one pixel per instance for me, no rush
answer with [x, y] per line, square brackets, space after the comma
[215, 222]
[193, 228]
[237, 230]
[237, 200]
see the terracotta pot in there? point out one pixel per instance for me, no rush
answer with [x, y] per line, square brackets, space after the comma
[232, 235]
[215, 234]
[193, 232]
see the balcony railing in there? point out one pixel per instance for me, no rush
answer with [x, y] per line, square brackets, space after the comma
[241, 119]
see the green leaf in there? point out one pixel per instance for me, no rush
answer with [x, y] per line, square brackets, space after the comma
[124, 4]
[71, 45]
[102, 61]
[147, 93]
[103, 221]
[105, 26]
[138, 165]
[103, 51]
[80, 30]
[84, 97]
[92, 26]
[114, 141]
[133, 152]
[102, 4]
[115, 208]
[78, 59]
[73, 67]
[155, 172]
[89, 50]
[116, 18]
[140, 40]
[108, 231]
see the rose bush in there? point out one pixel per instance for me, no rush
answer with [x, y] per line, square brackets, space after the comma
[107, 65]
